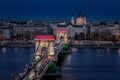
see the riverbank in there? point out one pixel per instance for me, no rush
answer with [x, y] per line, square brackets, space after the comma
[30, 45]
[95, 46]
[26, 46]
[76, 46]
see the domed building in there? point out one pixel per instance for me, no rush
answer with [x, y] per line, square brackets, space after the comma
[80, 20]
[73, 27]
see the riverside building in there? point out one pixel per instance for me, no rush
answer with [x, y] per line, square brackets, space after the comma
[73, 27]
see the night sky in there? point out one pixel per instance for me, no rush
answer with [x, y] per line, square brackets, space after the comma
[59, 9]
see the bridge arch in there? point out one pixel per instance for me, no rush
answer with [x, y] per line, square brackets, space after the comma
[44, 41]
[61, 35]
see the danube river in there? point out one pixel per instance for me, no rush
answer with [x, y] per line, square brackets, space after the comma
[81, 64]
[13, 60]
[92, 64]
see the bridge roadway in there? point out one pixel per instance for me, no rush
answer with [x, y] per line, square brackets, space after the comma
[36, 69]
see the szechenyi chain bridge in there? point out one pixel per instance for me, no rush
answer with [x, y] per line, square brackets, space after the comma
[46, 52]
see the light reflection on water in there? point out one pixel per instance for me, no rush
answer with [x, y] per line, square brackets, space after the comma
[74, 49]
[119, 51]
[108, 50]
[4, 49]
[100, 51]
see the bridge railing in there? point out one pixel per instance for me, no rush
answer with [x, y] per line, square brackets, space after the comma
[58, 48]
[32, 64]
[38, 70]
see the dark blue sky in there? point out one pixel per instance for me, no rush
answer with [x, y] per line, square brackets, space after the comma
[59, 9]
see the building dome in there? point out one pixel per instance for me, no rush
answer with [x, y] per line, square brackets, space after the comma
[79, 14]
[81, 19]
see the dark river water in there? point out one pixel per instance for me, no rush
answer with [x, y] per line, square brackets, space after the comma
[81, 64]
[13, 60]
[92, 64]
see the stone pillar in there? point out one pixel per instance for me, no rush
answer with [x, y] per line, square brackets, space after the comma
[41, 45]
[51, 53]
[58, 37]
[65, 38]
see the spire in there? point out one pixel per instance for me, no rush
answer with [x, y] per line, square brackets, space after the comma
[72, 20]
[79, 13]
[72, 15]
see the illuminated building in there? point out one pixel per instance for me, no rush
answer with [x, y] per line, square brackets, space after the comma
[32, 29]
[78, 26]
[7, 32]
[104, 27]
[81, 20]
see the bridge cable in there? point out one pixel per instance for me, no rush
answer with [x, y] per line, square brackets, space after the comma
[36, 50]
[35, 53]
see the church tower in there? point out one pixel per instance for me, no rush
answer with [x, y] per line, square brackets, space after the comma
[72, 20]
[81, 20]
[84, 20]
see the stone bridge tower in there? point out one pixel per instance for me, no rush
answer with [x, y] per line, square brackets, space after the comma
[47, 42]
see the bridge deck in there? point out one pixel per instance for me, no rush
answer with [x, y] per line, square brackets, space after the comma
[40, 67]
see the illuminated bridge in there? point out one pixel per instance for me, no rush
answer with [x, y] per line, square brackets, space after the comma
[47, 49]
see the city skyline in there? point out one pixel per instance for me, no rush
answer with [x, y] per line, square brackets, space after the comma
[59, 10]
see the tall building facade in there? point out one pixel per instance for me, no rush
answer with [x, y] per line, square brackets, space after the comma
[32, 29]
[105, 29]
